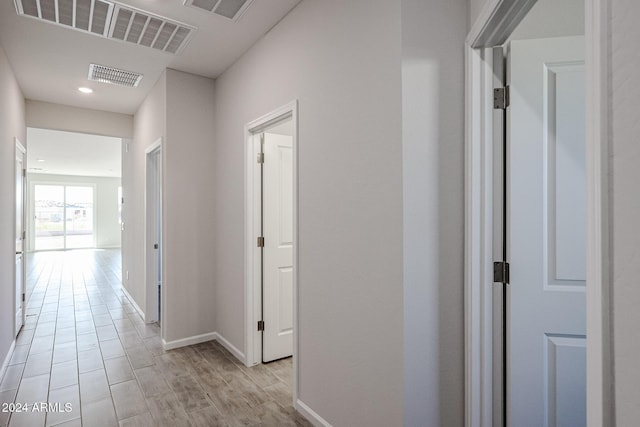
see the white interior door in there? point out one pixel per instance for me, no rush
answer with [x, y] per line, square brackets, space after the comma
[277, 338]
[547, 234]
[20, 235]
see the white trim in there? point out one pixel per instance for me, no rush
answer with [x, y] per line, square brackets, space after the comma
[478, 239]
[20, 147]
[493, 25]
[311, 415]
[183, 342]
[153, 147]
[232, 349]
[600, 380]
[252, 336]
[496, 22]
[151, 294]
[132, 302]
[20, 154]
[253, 305]
[7, 359]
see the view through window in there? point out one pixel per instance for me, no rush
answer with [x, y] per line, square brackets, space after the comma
[64, 217]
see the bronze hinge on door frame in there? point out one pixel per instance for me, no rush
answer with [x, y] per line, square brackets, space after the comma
[501, 272]
[501, 98]
[260, 325]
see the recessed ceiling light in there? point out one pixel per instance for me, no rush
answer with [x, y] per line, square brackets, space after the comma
[85, 90]
[41, 160]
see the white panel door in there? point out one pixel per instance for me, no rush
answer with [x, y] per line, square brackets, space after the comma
[19, 237]
[547, 234]
[277, 302]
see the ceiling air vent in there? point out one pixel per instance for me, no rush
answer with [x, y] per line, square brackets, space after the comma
[102, 74]
[111, 20]
[138, 27]
[231, 9]
[91, 16]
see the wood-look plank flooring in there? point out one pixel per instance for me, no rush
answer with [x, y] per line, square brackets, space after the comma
[84, 344]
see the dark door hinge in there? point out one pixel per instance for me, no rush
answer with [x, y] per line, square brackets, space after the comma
[261, 325]
[23, 297]
[261, 242]
[501, 99]
[501, 272]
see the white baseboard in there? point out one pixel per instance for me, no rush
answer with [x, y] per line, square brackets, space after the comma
[311, 415]
[232, 349]
[7, 359]
[132, 301]
[196, 339]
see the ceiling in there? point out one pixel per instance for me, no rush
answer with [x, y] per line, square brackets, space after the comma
[51, 61]
[68, 153]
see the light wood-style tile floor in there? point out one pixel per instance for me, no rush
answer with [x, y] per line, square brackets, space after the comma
[84, 345]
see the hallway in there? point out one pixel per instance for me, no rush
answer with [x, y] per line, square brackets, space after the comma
[84, 344]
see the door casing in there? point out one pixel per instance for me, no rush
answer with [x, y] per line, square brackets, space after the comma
[21, 151]
[153, 221]
[492, 28]
[253, 266]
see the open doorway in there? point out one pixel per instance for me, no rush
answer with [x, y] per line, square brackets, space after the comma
[73, 181]
[153, 232]
[20, 229]
[271, 227]
[528, 156]
[73, 203]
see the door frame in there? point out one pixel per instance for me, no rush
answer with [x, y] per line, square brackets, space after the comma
[492, 28]
[253, 341]
[151, 286]
[20, 149]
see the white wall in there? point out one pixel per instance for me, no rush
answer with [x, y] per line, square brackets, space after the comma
[12, 125]
[433, 35]
[188, 204]
[179, 109]
[149, 125]
[106, 198]
[45, 115]
[625, 208]
[341, 60]
[475, 7]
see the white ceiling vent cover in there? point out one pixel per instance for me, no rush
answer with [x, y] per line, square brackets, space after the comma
[231, 9]
[91, 16]
[142, 28]
[114, 76]
[111, 20]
